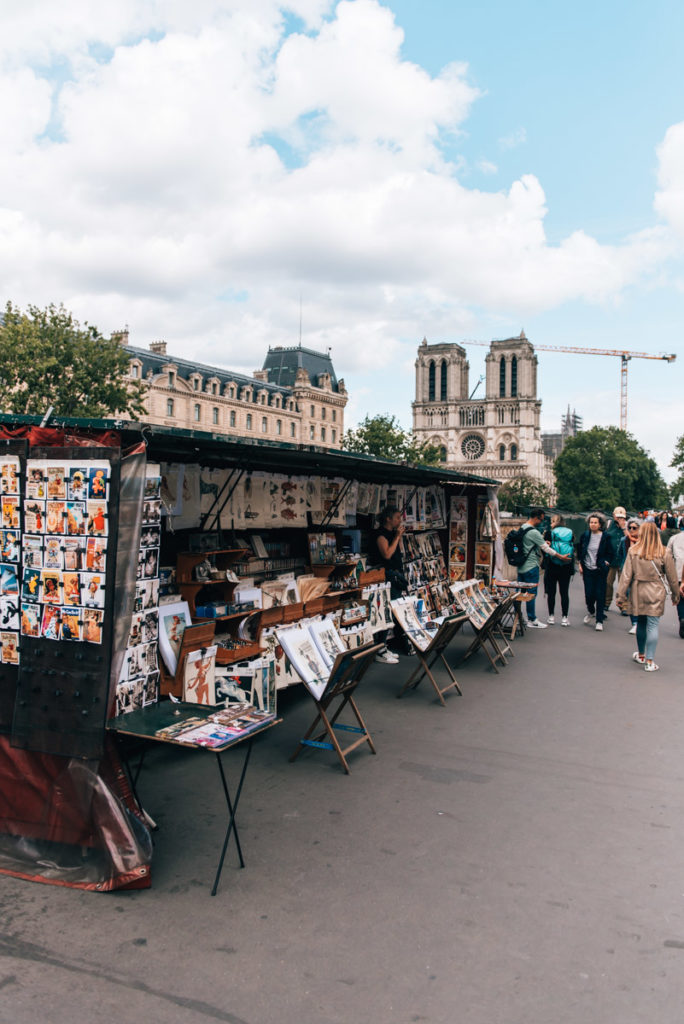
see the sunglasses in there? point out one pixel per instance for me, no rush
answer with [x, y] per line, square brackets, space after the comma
[633, 528]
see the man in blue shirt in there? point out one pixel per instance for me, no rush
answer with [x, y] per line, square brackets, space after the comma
[534, 546]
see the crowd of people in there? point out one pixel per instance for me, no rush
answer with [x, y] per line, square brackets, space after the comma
[621, 559]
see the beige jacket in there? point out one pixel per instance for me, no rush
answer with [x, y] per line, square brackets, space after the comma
[646, 591]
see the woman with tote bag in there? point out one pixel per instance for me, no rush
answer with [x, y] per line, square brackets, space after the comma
[648, 578]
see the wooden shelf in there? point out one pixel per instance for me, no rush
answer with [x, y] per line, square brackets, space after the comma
[226, 657]
[224, 618]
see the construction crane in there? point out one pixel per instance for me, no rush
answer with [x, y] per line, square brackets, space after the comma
[622, 354]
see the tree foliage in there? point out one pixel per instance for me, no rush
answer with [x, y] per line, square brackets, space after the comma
[383, 437]
[523, 491]
[48, 359]
[677, 488]
[604, 467]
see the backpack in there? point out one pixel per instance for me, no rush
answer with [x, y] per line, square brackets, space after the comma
[513, 546]
[561, 540]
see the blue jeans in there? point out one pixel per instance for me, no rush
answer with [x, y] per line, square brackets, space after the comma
[647, 635]
[531, 576]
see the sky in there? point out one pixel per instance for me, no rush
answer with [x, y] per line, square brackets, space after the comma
[232, 174]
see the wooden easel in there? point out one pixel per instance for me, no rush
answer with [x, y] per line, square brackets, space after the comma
[345, 675]
[486, 634]
[194, 638]
[429, 656]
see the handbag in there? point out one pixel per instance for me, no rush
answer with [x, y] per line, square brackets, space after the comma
[663, 580]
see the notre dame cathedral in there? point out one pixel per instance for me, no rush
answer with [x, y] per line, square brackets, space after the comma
[497, 435]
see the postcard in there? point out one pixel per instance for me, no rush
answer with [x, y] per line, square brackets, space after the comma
[53, 556]
[151, 692]
[77, 483]
[30, 590]
[150, 537]
[56, 481]
[74, 554]
[93, 586]
[36, 479]
[149, 626]
[72, 589]
[9, 648]
[50, 624]
[9, 612]
[149, 563]
[10, 513]
[152, 487]
[32, 548]
[124, 698]
[96, 554]
[146, 595]
[98, 477]
[52, 586]
[55, 516]
[97, 519]
[75, 518]
[93, 621]
[9, 545]
[173, 618]
[30, 619]
[151, 512]
[199, 676]
[34, 516]
[70, 626]
[9, 475]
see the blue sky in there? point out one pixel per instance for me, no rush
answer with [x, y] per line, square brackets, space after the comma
[443, 169]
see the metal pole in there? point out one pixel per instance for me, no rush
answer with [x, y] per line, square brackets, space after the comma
[624, 363]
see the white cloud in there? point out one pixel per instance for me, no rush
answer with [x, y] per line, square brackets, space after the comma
[515, 139]
[669, 200]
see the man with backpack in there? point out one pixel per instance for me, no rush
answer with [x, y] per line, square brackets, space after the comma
[524, 548]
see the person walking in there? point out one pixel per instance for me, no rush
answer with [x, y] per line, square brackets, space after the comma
[557, 573]
[615, 531]
[533, 545]
[648, 577]
[675, 546]
[630, 538]
[595, 554]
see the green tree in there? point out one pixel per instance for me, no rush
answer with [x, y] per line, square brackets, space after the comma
[677, 488]
[48, 359]
[523, 491]
[383, 437]
[604, 467]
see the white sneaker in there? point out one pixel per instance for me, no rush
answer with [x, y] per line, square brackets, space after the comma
[536, 624]
[565, 621]
[599, 627]
[387, 658]
[588, 619]
[632, 630]
[551, 620]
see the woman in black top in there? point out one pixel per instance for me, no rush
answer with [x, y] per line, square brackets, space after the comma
[387, 553]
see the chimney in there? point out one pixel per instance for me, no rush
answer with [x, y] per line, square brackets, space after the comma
[158, 347]
[121, 336]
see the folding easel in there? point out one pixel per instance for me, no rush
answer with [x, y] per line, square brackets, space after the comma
[346, 674]
[429, 656]
[484, 635]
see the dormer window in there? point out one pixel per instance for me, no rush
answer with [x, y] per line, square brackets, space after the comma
[172, 379]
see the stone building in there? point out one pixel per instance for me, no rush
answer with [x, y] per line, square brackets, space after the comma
[497, 435]
[295, 397]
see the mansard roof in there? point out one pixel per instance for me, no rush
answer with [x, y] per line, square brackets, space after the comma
[282, 365]
[156, 361]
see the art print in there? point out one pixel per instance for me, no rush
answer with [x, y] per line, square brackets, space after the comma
[32, 551]
[9, 545]
[149, 627]
[151, 515]
[77, 487]
[285, 674]
[97, 519]
[52, 587]
[30, 589]
[459, 508]
[53, 555]
[93, 590]
[96, 554]
[74, 554]
[34, 516]
[483, 554]
[9, 648]
[35, 481]
[151, 692]
[146, 595]
[30, 619]
[10, 513]
[152, 488]
[55, 517]
[150, 537]
[50, 624]
[173, 618]
[97, 482]
[327, 640]
[199, 676]
[135, 632]
[9, 612]
[9, 476]
[149, 563]
[75, 518]
[93, 621]
[56, 482]
[70, 624]
[124, 697]
[305, 658]
[72, 589]
[150, 657]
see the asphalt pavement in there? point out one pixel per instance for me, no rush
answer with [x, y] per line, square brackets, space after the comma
[516, 857]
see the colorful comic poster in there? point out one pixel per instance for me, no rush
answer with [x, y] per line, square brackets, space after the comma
[9, 545]
[35, 481]
[10, 513]
[70, 625]
[74, 554]
[78, 483]
[72, 589]
[56, 482]
[93, 619]
[30, 619]
[75, 518]
[52, 586]
[53, 556]
[96, 554]
[32, 551]
[55, 516]
[50, 624]
[30, 590]
[97, 519]
[34, 516]
[97, 482]
[9, 612]
[9, 648]
[92, 586]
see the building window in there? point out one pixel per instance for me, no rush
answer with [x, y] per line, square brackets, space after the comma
[249, 421]
[323, 413]
[134, 370]
[292, 430]
[214, 415]
[169, 406]
[232, 417]
[195, 383]
[431, 383]
[443, 382]
[172, 379]
[502, 453]
[502, 377]
[333, 436]
[313, 411]
[472, 447]
[514, 453]
[198, 412]
[264, 425]
[514, 376]
[334, 415]
[279, 427]
[442, 453]
[312, 433]
[322, 433]
[214, 388]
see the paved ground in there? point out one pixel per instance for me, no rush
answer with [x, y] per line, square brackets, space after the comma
[515, 858]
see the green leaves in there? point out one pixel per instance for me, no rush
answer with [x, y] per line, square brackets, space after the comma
[383, 437]
[522, 492]
[48, 359]
[604, 467]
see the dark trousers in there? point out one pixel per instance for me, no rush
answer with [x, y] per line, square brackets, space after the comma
[558, 576]
[595, 591]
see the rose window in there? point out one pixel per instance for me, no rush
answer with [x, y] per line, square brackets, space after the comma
[472, 446]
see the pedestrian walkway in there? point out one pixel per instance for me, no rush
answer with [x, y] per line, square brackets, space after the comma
[514, 858]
